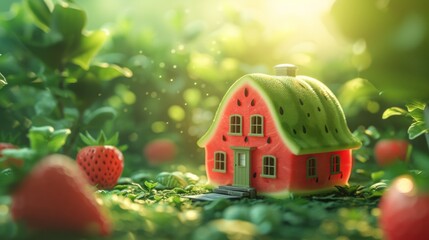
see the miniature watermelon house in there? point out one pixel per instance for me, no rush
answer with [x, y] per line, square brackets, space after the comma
[279, 134]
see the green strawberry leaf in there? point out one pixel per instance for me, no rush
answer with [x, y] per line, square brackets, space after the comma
[25, 154]
[38, 137]
[69, 22]
[42, 12]
[416, 129]
[89, 45]
[2, 81]
[45, 139]
[88, 139]
[415, 105]
[394, 111]
[57, 139]
[417, 114]
[102, 140]
[372, 132]
[426, 118]
[107, 72]
[99, 115]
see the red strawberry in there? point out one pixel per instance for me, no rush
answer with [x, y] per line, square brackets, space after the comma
[160, 151]
[404, 211]
[57, 196]
[10, 161]
[387, 151]
[102, 164]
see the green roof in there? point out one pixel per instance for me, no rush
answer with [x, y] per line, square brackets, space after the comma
[307, 115]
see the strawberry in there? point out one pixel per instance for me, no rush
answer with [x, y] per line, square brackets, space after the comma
[11, 161]
[160, 151]
[387, 151]
[103, 164]
[57, 196]
[404, 210]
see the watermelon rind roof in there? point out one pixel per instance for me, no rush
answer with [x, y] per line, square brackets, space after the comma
[306, 113]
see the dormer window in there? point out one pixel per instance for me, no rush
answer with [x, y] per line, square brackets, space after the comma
[235, 125]
[256, 125]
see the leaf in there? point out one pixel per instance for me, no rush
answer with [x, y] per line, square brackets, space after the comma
[372, 132]
[150, 185]
[88, 47]
[416, 129]
[417, 114]
[99, 116]
[57, 139]
[39, 136]
[69, 22]
[45, 103]
[106, 72]
[415, 105]
[46, 139]
[422, 162]
[171, 180]
[426, 116]
[22, 153]
[394, 111]
[2, 81]
[88, 139]
[41, 12]
[377, 176]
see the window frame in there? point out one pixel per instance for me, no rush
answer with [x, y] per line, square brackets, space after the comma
[235, 125]
[219, 161]
[308, 166]
[255, 125]
[335, 164]
[267, 166]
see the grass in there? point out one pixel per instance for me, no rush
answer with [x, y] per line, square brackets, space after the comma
[144, 206]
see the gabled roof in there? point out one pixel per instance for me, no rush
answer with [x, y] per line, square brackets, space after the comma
[306, 113]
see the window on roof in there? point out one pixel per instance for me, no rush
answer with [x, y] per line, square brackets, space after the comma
[269, 166]
[219, 162]
[256, 125]
[335, 164]
[311, 168]
[235, 124]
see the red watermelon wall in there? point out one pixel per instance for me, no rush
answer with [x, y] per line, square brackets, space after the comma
[291, 169]
[324, 177]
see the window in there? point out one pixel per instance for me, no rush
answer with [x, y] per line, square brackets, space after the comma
[269, 166]
[256, 125]
[335, 164]
[219, 162]
[311, 168]
[235, 125]
[242, 160]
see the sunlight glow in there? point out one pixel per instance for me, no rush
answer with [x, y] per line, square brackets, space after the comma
[405, 185]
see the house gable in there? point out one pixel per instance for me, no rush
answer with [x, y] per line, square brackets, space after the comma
[306, 114]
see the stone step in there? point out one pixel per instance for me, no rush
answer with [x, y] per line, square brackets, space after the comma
[231, 192]
[251, 191]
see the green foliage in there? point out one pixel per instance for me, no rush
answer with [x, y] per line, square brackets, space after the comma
[2, 81]
[415, 112]
[355, 95]
[60, 84]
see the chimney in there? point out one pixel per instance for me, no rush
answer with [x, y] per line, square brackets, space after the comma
[288, 70]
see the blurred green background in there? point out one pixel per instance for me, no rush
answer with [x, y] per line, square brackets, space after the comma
[158, 69]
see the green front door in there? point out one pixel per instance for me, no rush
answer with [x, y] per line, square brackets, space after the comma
[241, 166]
